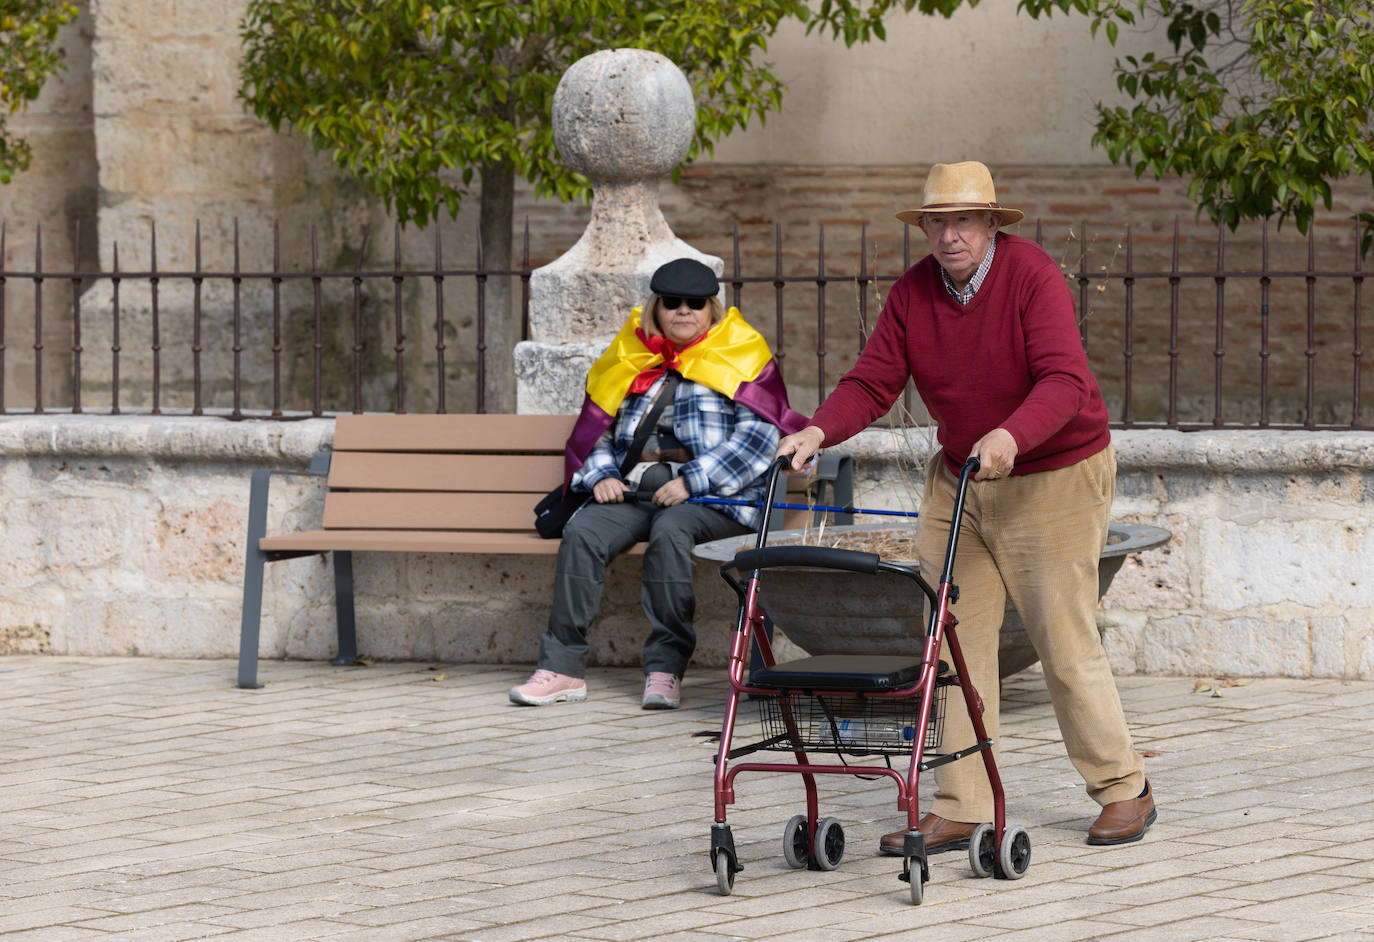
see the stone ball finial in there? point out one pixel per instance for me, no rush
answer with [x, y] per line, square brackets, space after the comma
[623, 114]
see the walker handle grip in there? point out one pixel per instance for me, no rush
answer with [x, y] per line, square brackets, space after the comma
[824, 557]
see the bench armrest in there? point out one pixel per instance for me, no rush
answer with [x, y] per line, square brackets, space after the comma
[834, 477]
[259, 485]
[836, 472]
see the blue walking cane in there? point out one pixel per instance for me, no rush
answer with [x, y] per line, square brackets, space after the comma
[656, 477]
[823, 508]
[646, 494]
[637, 496]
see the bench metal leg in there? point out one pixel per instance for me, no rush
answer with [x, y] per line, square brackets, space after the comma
[254, 563]
[343, 605]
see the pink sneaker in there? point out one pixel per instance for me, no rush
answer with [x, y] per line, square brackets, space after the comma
[662, 691]
[545, 687]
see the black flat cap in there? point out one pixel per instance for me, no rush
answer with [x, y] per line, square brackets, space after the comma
[686, 278]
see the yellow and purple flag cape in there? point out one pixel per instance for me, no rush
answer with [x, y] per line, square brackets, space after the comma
[732, 358]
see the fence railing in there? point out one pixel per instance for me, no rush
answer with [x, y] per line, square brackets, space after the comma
[1278, 343]
[239, 281]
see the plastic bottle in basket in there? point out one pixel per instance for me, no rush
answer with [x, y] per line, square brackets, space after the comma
[870, 733]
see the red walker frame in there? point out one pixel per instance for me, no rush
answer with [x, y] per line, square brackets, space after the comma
[994, 849]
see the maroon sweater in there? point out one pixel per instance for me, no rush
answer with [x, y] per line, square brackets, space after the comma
[1010, 358]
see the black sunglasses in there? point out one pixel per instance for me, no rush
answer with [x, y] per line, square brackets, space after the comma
[671, 303]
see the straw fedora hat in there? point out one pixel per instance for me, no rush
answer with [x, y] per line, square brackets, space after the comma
[958, 188]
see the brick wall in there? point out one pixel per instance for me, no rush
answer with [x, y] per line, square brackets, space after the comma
[1083, 214]
[1078, 208]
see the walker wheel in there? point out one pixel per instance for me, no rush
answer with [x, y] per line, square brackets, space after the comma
[915, 875]
[725, 874]
[982, 850]
[829, 849]
[1014, 854]
[795, 844]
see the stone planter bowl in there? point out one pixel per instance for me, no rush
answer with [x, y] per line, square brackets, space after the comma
[826, 611]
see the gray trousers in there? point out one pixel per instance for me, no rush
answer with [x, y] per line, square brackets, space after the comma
[596, 535]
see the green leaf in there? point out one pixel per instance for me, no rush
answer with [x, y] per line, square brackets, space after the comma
[1285, 108]
[28, 57]
[398, 90]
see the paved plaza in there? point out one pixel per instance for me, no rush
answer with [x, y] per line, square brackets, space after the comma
[147, 799]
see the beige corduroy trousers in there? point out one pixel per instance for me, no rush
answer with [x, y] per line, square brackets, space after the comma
[1036, 539]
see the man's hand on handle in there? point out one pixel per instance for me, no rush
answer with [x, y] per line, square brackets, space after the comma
[996, 453]
[801, 446]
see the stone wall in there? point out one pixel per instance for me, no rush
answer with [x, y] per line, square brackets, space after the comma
[1084, 214]
[127, 138]
[145, 131]
[58, 194]
[126, 536]
[1265, 573]
[702, 209]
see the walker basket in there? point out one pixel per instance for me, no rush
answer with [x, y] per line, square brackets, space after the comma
[853, 724]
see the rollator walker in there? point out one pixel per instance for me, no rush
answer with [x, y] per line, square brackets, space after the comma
[852, 705]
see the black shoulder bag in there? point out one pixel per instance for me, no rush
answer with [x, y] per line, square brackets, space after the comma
[556, 508]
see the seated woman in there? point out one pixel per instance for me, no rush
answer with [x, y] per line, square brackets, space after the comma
[723, 404]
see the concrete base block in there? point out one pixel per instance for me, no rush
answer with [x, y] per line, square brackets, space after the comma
[126, 536]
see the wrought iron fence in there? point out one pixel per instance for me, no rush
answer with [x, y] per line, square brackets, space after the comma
[1175, 345]
[270, 312]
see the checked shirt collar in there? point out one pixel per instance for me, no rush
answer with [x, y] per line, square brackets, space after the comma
[974, 283]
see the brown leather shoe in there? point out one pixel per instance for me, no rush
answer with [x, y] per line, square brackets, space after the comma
[940, 833]
[1122, 822]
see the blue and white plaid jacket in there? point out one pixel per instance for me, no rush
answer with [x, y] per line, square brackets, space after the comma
[732, 446]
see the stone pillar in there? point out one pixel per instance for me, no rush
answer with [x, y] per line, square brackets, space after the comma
[175, 149]
[623, 118]
[58, 192]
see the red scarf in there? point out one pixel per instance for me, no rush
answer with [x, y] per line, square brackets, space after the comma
[663, 347]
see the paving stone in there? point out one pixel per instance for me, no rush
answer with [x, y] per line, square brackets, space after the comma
[16, 919]
[55, 934]
[176, 932]
[1209, 928]
[1060, 932]
[138, 922]
[548, 927]
[684, 921]
[150, 800]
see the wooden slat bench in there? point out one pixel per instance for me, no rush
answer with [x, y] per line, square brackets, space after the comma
[434, 484]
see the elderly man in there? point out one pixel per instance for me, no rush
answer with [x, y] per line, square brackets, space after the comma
[984, 325]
